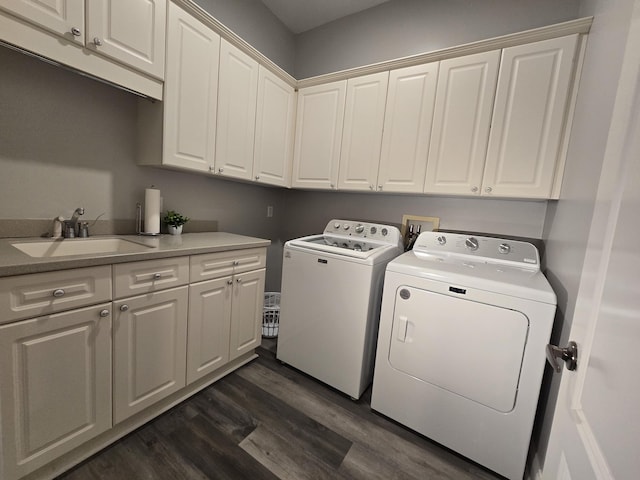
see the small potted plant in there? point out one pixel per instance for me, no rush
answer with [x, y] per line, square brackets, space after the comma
[174, 221]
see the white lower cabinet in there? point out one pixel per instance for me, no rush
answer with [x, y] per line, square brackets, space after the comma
[149, 345]
[55, 386]
[225, 310]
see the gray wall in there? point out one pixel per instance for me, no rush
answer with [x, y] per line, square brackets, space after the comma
[407, 27]
[68, 141]
[568, 221]
[255, 23]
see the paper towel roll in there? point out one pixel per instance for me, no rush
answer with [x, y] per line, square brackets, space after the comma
[152, 210]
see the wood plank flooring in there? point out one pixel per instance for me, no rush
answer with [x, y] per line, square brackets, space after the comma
[269, 421]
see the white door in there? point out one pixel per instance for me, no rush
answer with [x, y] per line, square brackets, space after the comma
[319, 122]
[407, 128]
[246, 312]
[595, 432]
[237, 97]
[462, 119]
[275, 124]
[190, 92]
[528, 118]
[63, 17]
[130, 31]
[362, 134]
[208, 329]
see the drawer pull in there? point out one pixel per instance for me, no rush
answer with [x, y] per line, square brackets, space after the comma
[238, 280]
[124, 308]
[104, 313]
[236, 263]
[157, 276]
[58, 293]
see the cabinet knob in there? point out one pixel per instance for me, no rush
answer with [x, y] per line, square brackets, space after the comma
[332, 185]
[58, 293]
[474, 189]
[220, 170]
[488, 189]
[75, 31]
[211, 169]
[370, 187]
[238, 280]
[229, 282]
[124, 307]
[236, 263]
[379, 188]
[97, 42]
[257, 177]
[104, 313]
[157, 276]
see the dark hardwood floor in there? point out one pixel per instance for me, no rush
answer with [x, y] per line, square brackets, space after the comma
[269, 421]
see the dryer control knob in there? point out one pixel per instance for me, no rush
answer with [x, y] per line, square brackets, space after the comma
[504, 248]
[346, 226]
[471, 243]
[442, 240]
[336, 225]
[359, 228]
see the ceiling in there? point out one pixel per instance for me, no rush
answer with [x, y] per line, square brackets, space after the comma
[302, 15]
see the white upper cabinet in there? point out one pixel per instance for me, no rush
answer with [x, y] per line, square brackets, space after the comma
[407, 128]
[461, 123]
[62, 17]
[529, 118]
[275, 124]
[130, 31]
[318, 137]
[237, 96]
[362, 133]
[191, 93]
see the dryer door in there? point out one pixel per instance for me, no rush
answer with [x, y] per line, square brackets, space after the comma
[468, 348]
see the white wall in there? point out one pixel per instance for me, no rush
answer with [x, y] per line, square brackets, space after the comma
[407, 27]
[255, 23]
[568, 221]
[68, 141]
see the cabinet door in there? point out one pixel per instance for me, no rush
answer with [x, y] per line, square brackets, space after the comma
[319, 122]
[362, 133]
[130, 31]
[55, 386]
[191, 92]
[246, 312]
[529, 117]
[150, 338]
[275, 123]
[462, 119]
[407, 128]
[63, 17]
[209, 324]
[237, 98]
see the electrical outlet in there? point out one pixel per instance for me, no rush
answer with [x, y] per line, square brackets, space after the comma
[425, 224]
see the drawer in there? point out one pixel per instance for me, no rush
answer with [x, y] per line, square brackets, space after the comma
[37, 294]
[136, 278]
[215, 265]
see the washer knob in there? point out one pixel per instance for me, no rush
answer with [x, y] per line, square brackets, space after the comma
[359, 228]
[384, 232]
[442, 240]
[373, 230]
[346, 226]
[471, 243]
[336, 225]
[504, 248]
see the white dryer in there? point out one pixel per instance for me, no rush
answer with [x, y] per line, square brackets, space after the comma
[461, 347]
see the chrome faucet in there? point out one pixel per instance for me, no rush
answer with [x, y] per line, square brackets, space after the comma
[70, 225]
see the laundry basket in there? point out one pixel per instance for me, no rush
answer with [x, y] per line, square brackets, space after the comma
[271, 314]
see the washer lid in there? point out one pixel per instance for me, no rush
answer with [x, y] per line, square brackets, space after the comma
[517, 278]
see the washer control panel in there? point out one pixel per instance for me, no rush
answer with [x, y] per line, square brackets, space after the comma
[371, 231]
[487, 249]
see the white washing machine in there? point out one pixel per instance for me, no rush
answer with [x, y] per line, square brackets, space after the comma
[330, 301]
[461, 347]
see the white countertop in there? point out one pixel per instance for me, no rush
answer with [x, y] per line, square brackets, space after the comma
[15, 262]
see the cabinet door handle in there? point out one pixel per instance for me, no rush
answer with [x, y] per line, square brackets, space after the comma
[104, 313]
[124, 307]
[75, 31]
[58, 293]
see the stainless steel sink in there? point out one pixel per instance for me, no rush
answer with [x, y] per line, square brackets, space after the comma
[79, 246]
